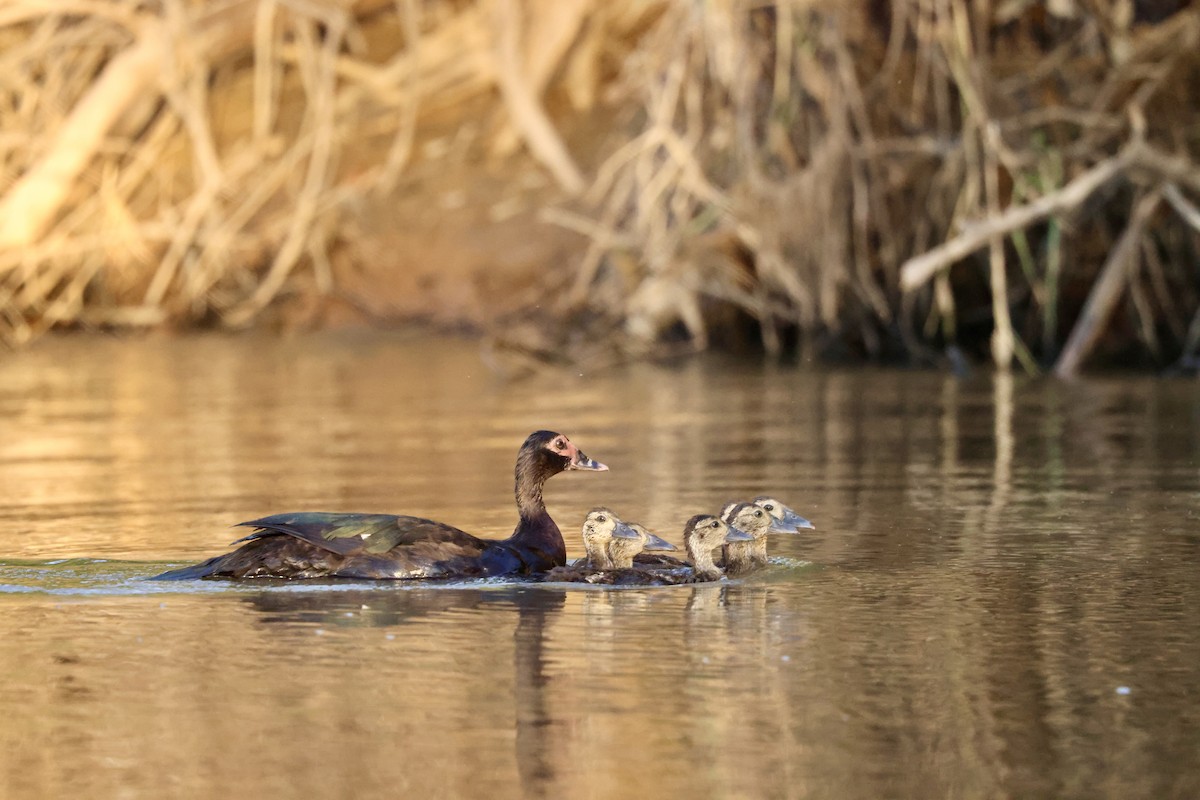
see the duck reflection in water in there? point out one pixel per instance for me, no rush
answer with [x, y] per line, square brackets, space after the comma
[542, 737]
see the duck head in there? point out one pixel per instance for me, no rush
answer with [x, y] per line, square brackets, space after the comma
[547, 453]
[649, 540]
[705, 533]
[600, 527]
[623, 548]
[747, 517]
[784, 520]
[544, 454]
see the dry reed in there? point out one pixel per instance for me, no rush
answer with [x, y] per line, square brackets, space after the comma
[885, 176]
[819, 168]
[180, 160]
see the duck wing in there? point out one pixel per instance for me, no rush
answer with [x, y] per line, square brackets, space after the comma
[363, 534]
[659, 561]
[370, 546]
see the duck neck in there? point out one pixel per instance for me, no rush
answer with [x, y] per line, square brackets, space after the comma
[622, 557]
[702, 561]
[739, 554]
[758, 550]
[528, 490]
[746, 553]
[535, 529]
[597, 555]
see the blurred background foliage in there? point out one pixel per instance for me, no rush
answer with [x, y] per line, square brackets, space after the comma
[924, 180]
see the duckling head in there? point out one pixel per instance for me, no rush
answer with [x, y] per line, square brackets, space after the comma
[784, 520]
[702, 535]
[748, 517]
[649, 540]
[622, 549]
[600, 527]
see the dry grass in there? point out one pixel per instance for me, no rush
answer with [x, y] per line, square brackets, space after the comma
[803, 163]
[818, 168]
[181, 160]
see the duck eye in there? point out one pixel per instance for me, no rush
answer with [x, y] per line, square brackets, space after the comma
[715, 524]
[559, 445]
[601, 518]
[758, 513]
[769, 507]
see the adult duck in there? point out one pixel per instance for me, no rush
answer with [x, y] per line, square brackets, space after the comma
[761, 516]
[386, 546]
[609, 545]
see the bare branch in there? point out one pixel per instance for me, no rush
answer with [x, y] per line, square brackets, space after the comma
[916, 271]
[1107, 289]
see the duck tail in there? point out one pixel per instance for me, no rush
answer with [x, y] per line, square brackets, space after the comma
[194, 572]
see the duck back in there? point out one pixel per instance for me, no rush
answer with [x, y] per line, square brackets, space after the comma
[366, 546]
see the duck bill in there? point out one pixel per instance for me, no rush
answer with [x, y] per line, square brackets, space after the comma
[798, 522]
[791, 523]
[581, 461]
[737, 535]
[655, 543]
[623, 531]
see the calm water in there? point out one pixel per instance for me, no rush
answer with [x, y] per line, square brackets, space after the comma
[1001, 599]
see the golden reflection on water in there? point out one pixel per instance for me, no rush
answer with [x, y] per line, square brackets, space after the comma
[995, 558]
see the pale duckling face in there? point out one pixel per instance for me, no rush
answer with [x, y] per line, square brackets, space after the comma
[704, 533]
[601, 527]
[784, 519]
[649, 540]
[748, 517]
[621, 550]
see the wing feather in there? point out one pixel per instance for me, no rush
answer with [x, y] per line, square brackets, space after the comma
[364, 534]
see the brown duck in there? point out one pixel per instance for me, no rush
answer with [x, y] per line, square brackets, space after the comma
[386, 546]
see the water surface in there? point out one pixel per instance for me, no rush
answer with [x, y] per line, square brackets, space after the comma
[1000, 599]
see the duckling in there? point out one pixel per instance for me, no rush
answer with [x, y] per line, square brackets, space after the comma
[621, 551]
[600, 528]
[758, 517]
[746, 556]
[701, 536]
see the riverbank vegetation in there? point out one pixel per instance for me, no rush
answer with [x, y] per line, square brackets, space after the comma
[924, 180]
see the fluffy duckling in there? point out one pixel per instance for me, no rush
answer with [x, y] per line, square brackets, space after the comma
[759, 517]
[622, 550]
[703, 535]
[600, 527]
[610, 545]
